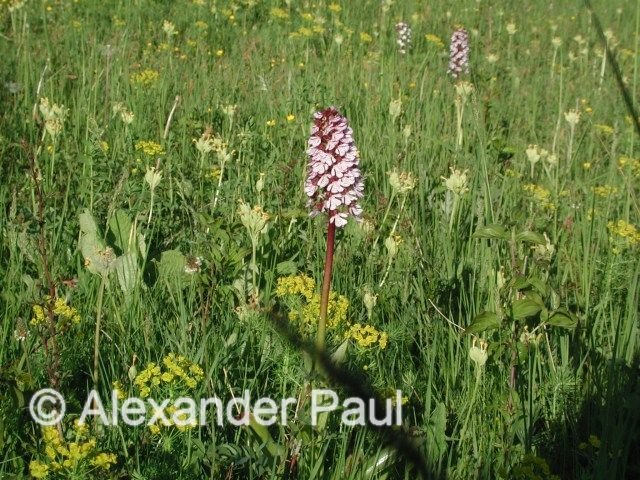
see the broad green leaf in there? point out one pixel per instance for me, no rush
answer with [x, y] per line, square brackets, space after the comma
[87, 223]
[97, 258]
[263, 434]
[437, 431]
[520, 283]
[539, 285]
[562, 318]
[126, 267]
[492, 231]
[525, 307]
[288, 267]
[531, 237]
[142, 246]
[340, 354]
[120, 226]
[483, 321]
[172, 264]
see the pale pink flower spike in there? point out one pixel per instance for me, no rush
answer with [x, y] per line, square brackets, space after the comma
[334, 184]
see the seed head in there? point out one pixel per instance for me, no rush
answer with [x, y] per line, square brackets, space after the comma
[459, 53]
[334, 183]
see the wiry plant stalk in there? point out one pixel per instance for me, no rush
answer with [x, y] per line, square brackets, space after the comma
[49, 342]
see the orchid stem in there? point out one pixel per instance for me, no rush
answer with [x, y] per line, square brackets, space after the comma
[326, 287]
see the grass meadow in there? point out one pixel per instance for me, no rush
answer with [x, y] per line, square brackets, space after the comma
[155, 236]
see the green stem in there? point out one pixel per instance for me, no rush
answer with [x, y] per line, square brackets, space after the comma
[384, 218]
[465, 425]
[454, 211]
[326, 287]
[254, 244]
[96, 340]
[151, 208]
[215, 200]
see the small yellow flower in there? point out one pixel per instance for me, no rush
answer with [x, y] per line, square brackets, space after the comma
[291, 118]
[150, 148]
[540, 195]
[145, 78]
[605, 190]
[271, 123]
[586, 165]
[365, 37]
[604, 129]
[625, 232]
[104, 460]
[219, 53]
[38, 469]
[279, 13]
[431, 38]
[334, 7]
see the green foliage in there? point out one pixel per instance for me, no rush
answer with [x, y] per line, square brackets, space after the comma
[503, 271]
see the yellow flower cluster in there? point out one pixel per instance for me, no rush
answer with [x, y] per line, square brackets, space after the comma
[150, 148]
[279, 13]
[145, 78]
[541, 195]
[367, 336]
[178, 371]
[65, 314]
[365, 37]
[633, 164]
[390, 393]
[594, 441]
[170, 414]
[301, 32]
[68, 457]
[300, 291]
[625, 231]
[605, 190]
[604, 129]
[431, 38]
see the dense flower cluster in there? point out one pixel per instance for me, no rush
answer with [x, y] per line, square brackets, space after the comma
[367, 336]
[121, 110]
[434, 39]
[632, 164]
[459, 53]
[70, 457]
[177, 371]
[605, 190]
[53, 115]
[334, 183]
[64, 313]
[299, 293]
[145, 78]
[150, 147]
[403, 31]
[624, 231]
[540, 195]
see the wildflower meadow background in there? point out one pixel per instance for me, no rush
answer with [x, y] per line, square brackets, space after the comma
[155, 234]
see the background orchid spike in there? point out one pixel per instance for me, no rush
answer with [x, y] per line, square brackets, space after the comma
[334, 182]
[459, 52]
[403, 31]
